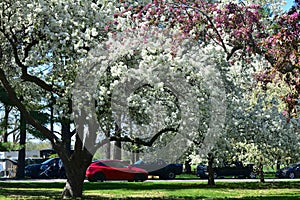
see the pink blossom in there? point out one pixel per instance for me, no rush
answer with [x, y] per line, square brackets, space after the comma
[294, 16]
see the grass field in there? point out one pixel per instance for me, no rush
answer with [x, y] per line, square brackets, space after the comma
[155, 190]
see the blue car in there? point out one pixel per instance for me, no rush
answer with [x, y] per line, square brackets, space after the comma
[51, 168]
[236, 169]
[292, 171]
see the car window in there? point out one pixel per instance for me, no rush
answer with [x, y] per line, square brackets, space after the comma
[100, 164]
[139, 162]
[116, 164]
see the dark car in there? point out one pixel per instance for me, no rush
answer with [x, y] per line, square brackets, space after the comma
[292, 171]
[51, 168]
[160, 168]
[114, 170]
[236, 169]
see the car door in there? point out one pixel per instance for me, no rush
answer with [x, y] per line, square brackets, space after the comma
[118, 171]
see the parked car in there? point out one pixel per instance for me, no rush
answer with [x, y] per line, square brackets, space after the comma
[160, 168]
[51, 168]
[237, 169]
[292, 171]
[103, 170]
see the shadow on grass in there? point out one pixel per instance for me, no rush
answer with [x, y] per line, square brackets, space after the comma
[153, 185]
[193, 198]
[52, 190]
[30, 194]
[186, 185]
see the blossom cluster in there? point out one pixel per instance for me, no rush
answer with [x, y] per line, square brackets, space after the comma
[241, 30]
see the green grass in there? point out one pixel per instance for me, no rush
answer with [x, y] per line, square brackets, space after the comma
[155, 190]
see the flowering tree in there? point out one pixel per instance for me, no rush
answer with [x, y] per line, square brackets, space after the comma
[57, 36]
[259, 134]
[41, 43]
[244, 31]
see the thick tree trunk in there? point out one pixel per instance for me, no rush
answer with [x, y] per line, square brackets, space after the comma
[21, 155]
[261, 173]
[211, 179]
[75, 170]
[66, 135]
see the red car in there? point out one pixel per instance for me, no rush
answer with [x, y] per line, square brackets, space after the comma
[114, 170]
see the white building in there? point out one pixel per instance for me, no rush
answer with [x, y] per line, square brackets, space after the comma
[9, 159]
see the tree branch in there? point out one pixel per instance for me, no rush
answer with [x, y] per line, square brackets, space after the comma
[139, 141]
[13, 97]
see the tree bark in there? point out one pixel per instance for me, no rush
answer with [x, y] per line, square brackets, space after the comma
[278, 163]
[75, 171]
[118, 144]
[5, 123]
[108, 149]
[137, 154]
[66, 135]
[187, 164]
[211, 179]
[21, 155]
[261, 173]
[75, 168]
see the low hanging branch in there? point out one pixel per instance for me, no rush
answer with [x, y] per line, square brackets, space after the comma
[13, 97]
[144, 142]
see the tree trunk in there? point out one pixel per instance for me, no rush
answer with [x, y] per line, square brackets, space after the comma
[211, 179]
[75, 169]
[187, 165]
[261, 173]
[5, 123]
[137, 154]
[278, 163]
[52, 100]
[117, 150]
[75, 176]
[66, 135]
[118, 144]
[21, 155]
[108, 149]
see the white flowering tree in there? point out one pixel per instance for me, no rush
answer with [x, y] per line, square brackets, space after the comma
[47, 46]
[41, 44]
[259, 134]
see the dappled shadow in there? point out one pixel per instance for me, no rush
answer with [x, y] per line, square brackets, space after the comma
[52, 190]
[192, 198]
[29, 184]
[184, 186]
[30, 194]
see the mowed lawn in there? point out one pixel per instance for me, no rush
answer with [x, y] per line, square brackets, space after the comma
[155, 190]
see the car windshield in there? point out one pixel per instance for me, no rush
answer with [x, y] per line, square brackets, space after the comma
[47, 161]
[116, 164]
[139, 162]
[293, 165]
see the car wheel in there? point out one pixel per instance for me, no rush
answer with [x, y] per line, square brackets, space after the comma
[91, 180]
[215, 175]
[99, 177]
[292, 175]
[139, 177]
[171, 175]
[252, 175]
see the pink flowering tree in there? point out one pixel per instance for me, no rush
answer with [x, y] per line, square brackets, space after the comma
[244, 32]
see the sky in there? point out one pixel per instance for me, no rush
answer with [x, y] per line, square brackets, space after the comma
[289, 4]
